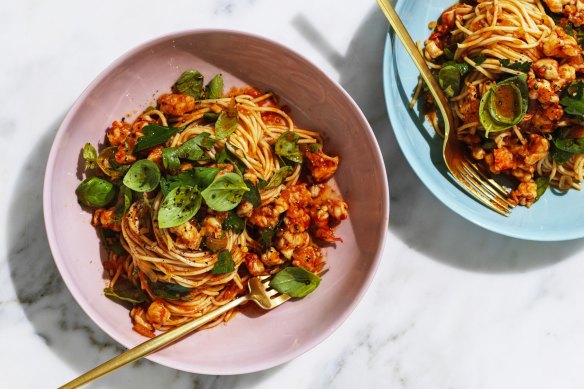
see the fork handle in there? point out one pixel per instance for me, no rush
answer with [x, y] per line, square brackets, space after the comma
[404, 36]
[151, 345]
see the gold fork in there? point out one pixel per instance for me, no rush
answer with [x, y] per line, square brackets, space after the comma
[468, 174]
[259, 292]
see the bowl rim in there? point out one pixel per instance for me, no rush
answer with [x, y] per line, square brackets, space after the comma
[95, 315]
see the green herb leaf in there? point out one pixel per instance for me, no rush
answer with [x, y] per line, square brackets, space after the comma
[200, 177]
[123, 202]
[95, 192]
[449, 80]
[192, 149]
[154, 135]
[234, 223]
[279, 177]
[225, 192]
[90, 156]
[169, 291]
[295, 281]
[215, 87]
[571, 145]
[143, 176]
[314, 147]
[449, 52]
[479, 59]
[179, 205]
[224, 263]
[267, 235]
[253, 194]
[225, 125]
[210, 117]
[573, 98]
[462, 67]
[560, 156]
[226, 156]
[125, 292]
[106, 160]
[110, 240]
[519, 66]
[542, 184]
[190, 83]
[287, 146]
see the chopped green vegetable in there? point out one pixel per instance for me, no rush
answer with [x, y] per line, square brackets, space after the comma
[169, 291]
[295, 281]
[210, 116]
[571, 145]
[226, 124]
[224, 263]
[106, 160]
[573, 98]
[234, 223]
[449, 80]
[190, 83]
[287, 146]
[504, 104]
[179, 205]
[519, 66]
[154, 135]
[462, 67]
[143, 176]
[267, 235]
[253, 194]
[95, 192]
[560, 156]
[90, 156]
[279, 177]
[125, 292]
[314, 147]
[193, 150]
[479, 59]
[225, 192]
[215, 87]
[542, 184]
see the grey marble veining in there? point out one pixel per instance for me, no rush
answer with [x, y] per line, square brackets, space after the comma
[486, 312]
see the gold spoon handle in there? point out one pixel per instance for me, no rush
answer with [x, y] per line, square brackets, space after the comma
[404, 36]
[151, 345]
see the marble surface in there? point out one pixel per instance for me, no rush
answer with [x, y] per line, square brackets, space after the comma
[452, 305]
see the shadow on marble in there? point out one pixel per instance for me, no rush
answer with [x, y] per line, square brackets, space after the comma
[420, 220]
[56, 317]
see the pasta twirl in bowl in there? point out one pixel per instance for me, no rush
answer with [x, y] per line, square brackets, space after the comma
[491, 59]
[200, 148]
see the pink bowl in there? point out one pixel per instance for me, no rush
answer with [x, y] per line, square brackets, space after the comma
[253, 340]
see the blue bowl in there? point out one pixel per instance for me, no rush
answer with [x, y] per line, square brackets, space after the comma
[556, 216]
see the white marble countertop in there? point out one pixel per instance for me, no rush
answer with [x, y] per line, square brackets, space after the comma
[487, 312]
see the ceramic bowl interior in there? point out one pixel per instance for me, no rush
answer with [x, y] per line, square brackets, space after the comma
[253, 340]
[555, 216]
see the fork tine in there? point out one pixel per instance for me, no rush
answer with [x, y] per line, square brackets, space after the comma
[494, 185]
[476, 189]
[486, 184]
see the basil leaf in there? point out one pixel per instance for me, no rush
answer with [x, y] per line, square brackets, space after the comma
[314, 147]
[125, 291]
[542, 184]
[90, 156]
[479, 59]
[573, 98]
[106, 160]
[520, 66]
[234, 223]
[571, 145]
[154, 135]
[111, 240]
[210, 117]
[462, 67]
[267, 235]
[224, 263]
[295, 281]
[225, 192]
[123, 203]
[190, 83]
[253, 194]
[143, 176]
[169, 291]
[180, 205]
[287, 146]
[95, 192]
[192, 150]
[279, 177]
[215, 87]
[225, 125]
[449, 80]
[560, 156]
[200, 177]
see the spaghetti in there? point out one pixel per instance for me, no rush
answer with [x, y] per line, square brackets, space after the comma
[242, 191]
[510, 69]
